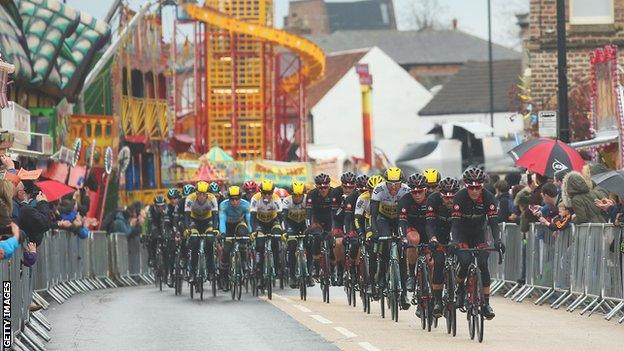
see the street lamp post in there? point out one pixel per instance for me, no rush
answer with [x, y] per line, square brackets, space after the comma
[563, 121]
[490, 66]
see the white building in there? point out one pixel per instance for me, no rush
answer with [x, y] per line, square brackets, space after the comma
[336, 104]
[465, 98]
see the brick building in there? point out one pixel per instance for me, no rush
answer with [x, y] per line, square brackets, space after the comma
[320, 17]
[590, 24]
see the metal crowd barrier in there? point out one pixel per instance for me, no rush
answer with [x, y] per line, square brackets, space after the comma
[67, 265]
[579, 268]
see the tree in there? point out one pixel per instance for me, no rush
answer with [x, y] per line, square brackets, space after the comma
[424, 14]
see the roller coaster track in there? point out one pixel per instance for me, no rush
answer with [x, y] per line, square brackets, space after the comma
[312, 57]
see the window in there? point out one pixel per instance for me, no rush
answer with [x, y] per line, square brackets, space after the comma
[591, 11]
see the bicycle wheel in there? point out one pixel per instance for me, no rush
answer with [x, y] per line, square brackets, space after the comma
[240, 289]
[201, 289]
[429, 314]
[347, 289]
[214, 286]
[382, 302]
[269, 288]
[395, 306]
[192, 289]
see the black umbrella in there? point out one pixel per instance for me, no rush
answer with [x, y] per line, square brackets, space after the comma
[612, 181]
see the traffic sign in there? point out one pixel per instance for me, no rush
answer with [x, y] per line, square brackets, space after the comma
[547, 124]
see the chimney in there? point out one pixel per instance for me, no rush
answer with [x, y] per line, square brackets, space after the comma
[454, 23]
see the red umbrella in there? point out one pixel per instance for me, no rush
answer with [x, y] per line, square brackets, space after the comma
[54, 190]
[546, 156]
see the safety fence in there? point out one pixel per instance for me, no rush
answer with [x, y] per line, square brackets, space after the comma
[66, 265]
[577, 268]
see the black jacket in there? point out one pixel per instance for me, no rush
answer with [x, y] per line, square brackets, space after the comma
[35, 221]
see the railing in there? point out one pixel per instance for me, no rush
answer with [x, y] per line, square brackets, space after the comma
[67, 265]
[579, 267]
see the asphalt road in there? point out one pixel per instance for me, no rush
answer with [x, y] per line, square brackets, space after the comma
[143, 318]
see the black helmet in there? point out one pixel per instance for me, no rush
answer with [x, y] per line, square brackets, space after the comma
[173, 193]
[449, 185]
[361, 181]
[473, 176]
[321, 179]
[159, 200]
[417, 180]
[347, 177]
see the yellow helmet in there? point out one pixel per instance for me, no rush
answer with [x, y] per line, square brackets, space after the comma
[298, 188]
[234, 191]
[202, 187]
[432, 175]
[374, 181]
[267, 186]
[393, 174]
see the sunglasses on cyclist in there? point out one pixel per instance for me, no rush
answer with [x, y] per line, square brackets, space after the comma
[348, 185]
[475, 187]
[419, 190]
[323, 186]
[448, 195]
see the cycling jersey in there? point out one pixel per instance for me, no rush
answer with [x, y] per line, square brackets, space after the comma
[413, 214]
[320, 207]
[362, 205]
[229, 214]
[294, 212]
[388, 203]
[201, 210]
[266, 211]
[338, 196]
[349, 204]
[470, 217]
[438, 218]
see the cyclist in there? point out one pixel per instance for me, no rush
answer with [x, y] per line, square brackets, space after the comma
[412, 222]
[363, 220]
[338, 196]
[215, 190]
[250, 188]
[181, 220]
[203, 210]
[234, 220]
[439, 209]
[352, 245]
[473, 208]
[318, 217]
[294, 215]
[433, 178]
[173, 194]
[156, 214]
[265, 218]
[384, 208]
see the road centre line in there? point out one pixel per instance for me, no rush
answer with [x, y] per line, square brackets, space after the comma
[346, 332]
[321, 319]
[367, 346]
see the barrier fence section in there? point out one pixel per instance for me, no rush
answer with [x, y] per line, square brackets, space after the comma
[579, 267]
[66, 265]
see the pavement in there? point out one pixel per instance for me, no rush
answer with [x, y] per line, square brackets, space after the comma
[143, 318]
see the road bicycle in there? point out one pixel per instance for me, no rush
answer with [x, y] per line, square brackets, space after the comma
[178, 270]
[363, 275]
[392, 288]
[301, 265]
[200, 275]
[474, 300]
[237, 271]
[423, 294]
[350, 281]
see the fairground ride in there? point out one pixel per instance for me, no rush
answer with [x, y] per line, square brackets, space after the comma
[240, 83]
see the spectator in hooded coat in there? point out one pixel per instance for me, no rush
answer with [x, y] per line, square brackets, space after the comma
[577, 193]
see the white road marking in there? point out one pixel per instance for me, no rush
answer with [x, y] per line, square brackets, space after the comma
[367, 346]
[302, 308]
[346, 332]
[321, 319]
[281, 297]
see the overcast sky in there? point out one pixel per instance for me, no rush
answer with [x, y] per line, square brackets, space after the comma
[471, 14]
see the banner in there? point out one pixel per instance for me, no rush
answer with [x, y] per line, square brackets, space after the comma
[281, 173]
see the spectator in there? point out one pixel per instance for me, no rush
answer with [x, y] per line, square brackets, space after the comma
[522, 202]
[513, 178]
[550, 194]
[503, 197]
[577, 193]
[123, 223]
[6, 202]
[8, 246]
[561, 221]
[35, 215]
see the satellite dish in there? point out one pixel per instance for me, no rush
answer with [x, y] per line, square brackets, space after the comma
[123, 159]
[108, 160]
[91, 153]
[76, 149]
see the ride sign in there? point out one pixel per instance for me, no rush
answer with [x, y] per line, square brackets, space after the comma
[547, 124]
